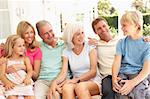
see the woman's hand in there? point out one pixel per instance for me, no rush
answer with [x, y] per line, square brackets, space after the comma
[27, 80]
[11, 69]
[2, 60]
[74, 80]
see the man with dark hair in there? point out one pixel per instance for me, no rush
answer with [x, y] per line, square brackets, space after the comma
[106, 47]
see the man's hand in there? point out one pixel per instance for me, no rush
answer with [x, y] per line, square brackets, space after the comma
[92, 41]
[147, 39]
[127, 87]
[52, 90]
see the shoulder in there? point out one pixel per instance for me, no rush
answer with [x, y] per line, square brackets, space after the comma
[89, 47]
[60, 42]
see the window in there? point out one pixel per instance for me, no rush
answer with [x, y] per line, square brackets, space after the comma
[4, 19]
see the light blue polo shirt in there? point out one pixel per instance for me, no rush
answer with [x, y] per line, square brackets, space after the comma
[134, 53]
[51, 61]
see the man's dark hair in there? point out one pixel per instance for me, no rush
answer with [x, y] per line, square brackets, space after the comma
[95, 21]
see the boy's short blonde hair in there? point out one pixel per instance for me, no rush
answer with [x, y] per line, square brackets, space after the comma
[133, 17]
[69, 31]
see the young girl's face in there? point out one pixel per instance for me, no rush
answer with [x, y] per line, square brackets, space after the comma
[19, 47]
[129, 28]
[29, 35]
[78, 37]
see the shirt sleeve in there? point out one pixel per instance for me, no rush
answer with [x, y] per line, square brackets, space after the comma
[147, 53]
[119, 50]
[38, 55]
[65, 53]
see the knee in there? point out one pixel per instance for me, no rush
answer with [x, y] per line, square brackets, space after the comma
[81, 87]
[67, 88]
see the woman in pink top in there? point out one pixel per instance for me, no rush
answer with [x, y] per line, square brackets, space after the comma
[27, 32]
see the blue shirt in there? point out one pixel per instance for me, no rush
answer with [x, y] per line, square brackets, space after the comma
[51, 61]
[134, 53]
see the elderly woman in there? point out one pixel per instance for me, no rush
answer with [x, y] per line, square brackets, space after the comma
[82, 60]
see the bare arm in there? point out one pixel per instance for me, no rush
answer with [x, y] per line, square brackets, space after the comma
[115, 70]
[7, 83]
[130, 84]
[29, 71]
[61, 77]
[36, 70]
[59, 80]
[93, 63]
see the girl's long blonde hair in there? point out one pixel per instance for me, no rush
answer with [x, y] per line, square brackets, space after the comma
[9, 44]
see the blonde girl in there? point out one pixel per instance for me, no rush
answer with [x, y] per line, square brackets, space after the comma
[19, 82]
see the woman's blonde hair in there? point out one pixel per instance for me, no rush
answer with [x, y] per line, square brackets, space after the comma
[133, 17]
[22, 28]
[9, 44]
[69, 31]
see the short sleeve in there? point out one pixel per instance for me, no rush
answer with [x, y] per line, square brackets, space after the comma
[147, 53]
[119, 50]
[65, 53]
[38, 55]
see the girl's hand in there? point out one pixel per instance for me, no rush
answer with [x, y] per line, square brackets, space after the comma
[27, 80]
[9, 85]
[115, 83]
[127, 87]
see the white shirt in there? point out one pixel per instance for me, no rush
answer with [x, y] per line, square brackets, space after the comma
[106, 53]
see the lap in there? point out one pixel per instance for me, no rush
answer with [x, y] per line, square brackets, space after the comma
[90, 85]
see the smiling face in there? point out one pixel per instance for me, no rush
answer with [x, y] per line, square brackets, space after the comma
[129, 28]
[78, 37]
[102, 30]
[19, 47]
[29, 35]
[46, 33]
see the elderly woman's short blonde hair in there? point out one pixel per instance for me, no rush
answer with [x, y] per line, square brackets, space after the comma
[69, 31]
[133, 17]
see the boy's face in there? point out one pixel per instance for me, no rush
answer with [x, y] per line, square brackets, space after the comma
[129, 28]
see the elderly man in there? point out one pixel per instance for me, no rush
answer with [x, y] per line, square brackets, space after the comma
[51, 59]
